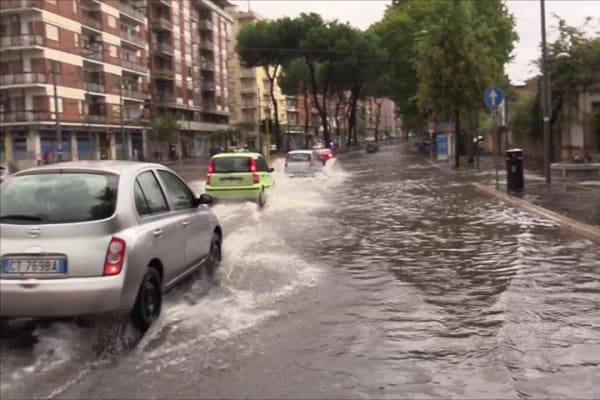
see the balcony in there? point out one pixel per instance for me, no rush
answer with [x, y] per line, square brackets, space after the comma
[248, 90]
[209, 86]
[25, 116]
[6, 42]
[248, 106]
[93, 51]
[208, 46]
[206, 25]
[162, 23]
[164, 73]
[95, 87]
[134, 94]
[92, 21]
[96, 118]
[207, 65]
[134, 65]
[248, 73]
[15, 5]
[26, 78]
[128, 10]
[164, 48]
[133, 38]
[164, 98]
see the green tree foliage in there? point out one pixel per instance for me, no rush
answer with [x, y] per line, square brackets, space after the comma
[268, 45]
[444, 54]
[164, 128]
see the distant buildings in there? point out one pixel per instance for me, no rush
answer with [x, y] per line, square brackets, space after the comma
[107, 68]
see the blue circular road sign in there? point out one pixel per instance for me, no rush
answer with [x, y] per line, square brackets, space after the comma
[493, 97]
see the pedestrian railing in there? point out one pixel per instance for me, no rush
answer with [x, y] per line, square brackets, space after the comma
[21, 40]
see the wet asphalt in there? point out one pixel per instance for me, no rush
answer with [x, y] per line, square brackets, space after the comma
[382, 278]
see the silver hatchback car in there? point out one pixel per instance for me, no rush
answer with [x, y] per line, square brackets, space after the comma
[94, 237]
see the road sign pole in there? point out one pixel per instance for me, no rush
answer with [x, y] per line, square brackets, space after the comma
[495, 146]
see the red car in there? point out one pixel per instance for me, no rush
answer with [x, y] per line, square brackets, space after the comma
[326, 154]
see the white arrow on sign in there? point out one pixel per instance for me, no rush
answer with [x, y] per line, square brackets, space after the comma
[493, 96]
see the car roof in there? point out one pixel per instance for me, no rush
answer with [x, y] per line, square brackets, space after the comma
[117, 167]
[244, 154]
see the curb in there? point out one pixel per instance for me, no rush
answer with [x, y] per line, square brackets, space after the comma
[565, 222]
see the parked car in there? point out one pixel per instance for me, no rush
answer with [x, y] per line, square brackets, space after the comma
[4, 172]
[326, 154]
[302, 163]
[92, 237]
[372, 145]
[239, 176]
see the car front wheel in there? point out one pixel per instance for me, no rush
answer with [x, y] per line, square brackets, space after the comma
[149, 300]
[215, 255]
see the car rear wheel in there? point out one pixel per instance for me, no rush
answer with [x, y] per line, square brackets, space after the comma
[149, 300]
[262, 200]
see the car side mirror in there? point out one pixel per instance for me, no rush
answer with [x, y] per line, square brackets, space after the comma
[205, 199]
[271, 169]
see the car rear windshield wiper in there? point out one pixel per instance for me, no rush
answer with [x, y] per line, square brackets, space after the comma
[22, 217]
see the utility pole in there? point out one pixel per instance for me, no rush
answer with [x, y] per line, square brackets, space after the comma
[59, 154]
[258, 105]
[123, 154]
[546, 105]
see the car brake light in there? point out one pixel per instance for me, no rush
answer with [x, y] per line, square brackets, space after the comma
[252, 164]
[115, 257]
[210, 171]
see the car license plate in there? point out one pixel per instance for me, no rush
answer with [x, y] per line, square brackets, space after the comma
[34, 265]
[231, 181]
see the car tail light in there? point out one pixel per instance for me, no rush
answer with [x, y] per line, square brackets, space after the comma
[210, 171]
[252, 164]
[115, 256]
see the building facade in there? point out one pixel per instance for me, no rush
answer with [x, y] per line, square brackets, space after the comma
[102, 68]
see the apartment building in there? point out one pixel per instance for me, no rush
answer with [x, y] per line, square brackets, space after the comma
[110, 65]
[86, 58]
[189, 68]
[250, 88]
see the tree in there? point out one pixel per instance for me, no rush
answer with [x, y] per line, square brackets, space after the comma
[293, 79]
[268, 45]
[164, 128]
[445, 53]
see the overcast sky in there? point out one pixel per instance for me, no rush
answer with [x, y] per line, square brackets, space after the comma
[363, 13]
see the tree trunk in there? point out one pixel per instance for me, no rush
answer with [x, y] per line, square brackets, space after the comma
[378, 105]
[349, 119]
[322, 109]
[306, 118]
[275, 105]
[457, 141]
[338, 104]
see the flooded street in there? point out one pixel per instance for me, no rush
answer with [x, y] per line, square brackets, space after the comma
[381, 278]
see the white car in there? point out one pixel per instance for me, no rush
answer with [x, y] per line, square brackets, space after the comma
[303, 163]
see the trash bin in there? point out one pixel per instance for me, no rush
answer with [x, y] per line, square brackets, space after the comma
[515, 181]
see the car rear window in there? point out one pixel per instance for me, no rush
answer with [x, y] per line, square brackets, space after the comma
[298, 157]
[55, 198]
[232, 164]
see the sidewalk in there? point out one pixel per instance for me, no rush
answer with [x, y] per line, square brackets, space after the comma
[577, 200]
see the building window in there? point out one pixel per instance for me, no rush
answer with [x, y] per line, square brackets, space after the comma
[116, 110]
[52, 32]
[53, 2]
[80, 107]
[112, 22]
[60, 105]
[112, 50]
[76, 34]
[75, 6]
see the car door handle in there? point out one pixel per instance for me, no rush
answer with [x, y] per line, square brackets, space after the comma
[185, 223]
[157, 232]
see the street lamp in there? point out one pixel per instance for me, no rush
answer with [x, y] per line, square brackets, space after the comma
[546, 104]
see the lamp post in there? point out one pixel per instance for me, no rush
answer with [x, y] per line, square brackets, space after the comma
[546, 103]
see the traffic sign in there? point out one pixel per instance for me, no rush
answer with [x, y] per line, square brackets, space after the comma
[493, 97]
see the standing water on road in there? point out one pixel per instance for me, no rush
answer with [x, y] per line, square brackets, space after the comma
[387, 279]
